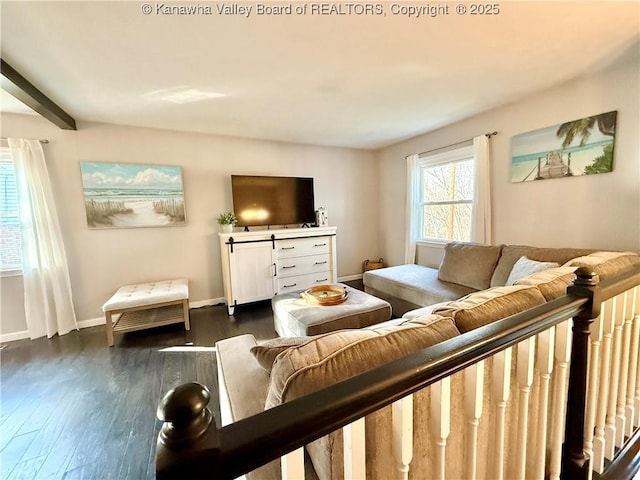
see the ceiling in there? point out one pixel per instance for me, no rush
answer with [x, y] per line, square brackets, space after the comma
[351, 80]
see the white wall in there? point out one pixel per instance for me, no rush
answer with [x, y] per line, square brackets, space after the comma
[101, 260]
[596, 211]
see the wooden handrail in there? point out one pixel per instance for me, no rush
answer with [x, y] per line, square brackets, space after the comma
[246, 444]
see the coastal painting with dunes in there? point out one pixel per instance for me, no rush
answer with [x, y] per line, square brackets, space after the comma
[122, 195]
[579, 147]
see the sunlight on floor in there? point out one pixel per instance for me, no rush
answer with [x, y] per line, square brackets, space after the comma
[189, 347]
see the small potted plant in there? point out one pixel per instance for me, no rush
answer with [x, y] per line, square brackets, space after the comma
[228, 220]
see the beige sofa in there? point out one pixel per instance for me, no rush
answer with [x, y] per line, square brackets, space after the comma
[466, 268]
[257, 375]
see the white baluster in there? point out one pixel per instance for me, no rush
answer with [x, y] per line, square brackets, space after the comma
[440, 423]
[402, 424]
[354, 450]
[500, 384]
[545, 355]
[616, 349]
[636, 396]
[561, 377]
[293, 465]
[525, 364]
[599, 440]
[593, 384]
[473, 392]
[634, 315]
[627, 318]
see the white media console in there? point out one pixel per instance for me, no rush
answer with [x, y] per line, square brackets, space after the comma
[258, 265]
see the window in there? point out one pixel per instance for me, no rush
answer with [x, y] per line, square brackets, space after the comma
[446, 185]
[10, 246]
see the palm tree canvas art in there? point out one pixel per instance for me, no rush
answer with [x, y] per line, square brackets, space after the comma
[579, 147]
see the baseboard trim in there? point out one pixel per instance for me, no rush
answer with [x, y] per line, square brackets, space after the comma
[205, 303]
[94, 322]
[13, 336]
[348, 278]
[91, 322]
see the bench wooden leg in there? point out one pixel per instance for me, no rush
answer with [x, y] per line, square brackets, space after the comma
[185, 313]
[109, 325]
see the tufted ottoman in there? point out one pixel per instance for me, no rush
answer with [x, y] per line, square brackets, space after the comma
[292, 317]
[169, 300]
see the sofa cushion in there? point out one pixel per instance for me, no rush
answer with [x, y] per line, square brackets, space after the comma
[415, 284]
[266, 351]
[552, 282]
[336, 356]
[511, 253]
[525, 267]
[469, 264]
[246, 382]
[243, 386]
[606, 264]
[481, 308]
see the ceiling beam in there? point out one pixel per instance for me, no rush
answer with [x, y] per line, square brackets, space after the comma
[27, 93]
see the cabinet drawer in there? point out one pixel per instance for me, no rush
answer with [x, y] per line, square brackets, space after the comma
[296, 247]
[290, 267]
[302, 282]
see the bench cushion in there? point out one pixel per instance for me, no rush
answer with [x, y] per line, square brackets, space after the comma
[131, 296]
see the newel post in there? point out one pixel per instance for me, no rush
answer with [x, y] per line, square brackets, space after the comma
[575, 462]
[188, 441]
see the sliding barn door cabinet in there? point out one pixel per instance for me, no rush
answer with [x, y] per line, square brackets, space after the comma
[258, 265]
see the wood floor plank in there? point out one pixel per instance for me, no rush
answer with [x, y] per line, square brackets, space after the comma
[73, 408]
[13, 452]
[26, 469]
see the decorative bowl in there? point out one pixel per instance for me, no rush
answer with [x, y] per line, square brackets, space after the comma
[325, 295]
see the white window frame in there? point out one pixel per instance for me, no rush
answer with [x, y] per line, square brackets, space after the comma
[425, 161]
[5, 157]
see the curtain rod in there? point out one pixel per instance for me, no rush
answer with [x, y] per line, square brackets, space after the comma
[488, 135]
[41, 140]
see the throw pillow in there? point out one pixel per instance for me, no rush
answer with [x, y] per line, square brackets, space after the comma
[552, 283]
[333, 357]
[525, 267]
[487, 306]
[469, 264]
[267, 351]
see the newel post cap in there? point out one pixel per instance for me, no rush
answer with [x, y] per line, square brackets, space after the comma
[185, 413]
[586, 277]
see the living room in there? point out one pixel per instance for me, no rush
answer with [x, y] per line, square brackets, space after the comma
[362, 188]
[365, 201]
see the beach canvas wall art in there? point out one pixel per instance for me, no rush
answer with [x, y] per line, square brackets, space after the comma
[579, 147]
[123, 195]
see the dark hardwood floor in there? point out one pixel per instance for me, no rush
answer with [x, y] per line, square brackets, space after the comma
[73, 408]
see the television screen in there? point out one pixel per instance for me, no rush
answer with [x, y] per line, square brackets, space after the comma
[262, 200]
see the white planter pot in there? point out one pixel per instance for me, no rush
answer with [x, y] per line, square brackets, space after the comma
[227, 228]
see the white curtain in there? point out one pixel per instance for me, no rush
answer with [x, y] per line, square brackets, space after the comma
[481, 210]
[47, 289]
[412, 219]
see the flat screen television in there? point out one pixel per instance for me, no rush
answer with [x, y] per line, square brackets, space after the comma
[266, 200]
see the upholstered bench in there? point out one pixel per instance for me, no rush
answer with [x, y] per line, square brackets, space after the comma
[147, 305]
[293, 317]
